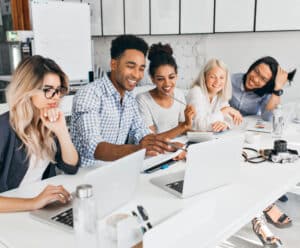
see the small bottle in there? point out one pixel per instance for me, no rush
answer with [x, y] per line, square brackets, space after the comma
[85, 217]
[278, 122]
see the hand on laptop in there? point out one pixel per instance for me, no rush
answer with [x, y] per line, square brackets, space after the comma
[156, 144]
[50, 194]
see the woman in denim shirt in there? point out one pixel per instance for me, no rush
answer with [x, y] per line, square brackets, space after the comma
[258, 91]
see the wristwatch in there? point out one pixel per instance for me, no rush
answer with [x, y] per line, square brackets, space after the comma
[277, 92]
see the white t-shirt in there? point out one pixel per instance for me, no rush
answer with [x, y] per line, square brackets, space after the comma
[163, 119]
[206, 112]
[35, 170]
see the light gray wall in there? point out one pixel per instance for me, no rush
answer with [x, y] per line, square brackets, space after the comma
[237, 50]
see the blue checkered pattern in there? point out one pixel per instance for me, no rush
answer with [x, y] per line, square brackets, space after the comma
[98, 116]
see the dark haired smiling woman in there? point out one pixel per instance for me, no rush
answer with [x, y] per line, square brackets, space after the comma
[163, 108]
[34, 135]
[258, 91]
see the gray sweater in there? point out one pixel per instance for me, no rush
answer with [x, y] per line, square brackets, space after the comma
[13, 161]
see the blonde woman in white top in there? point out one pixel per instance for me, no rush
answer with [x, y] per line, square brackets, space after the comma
[210, 95]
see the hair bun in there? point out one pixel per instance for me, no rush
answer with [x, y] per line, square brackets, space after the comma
[159, 49]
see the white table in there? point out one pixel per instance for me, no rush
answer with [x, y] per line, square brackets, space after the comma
[202, 221]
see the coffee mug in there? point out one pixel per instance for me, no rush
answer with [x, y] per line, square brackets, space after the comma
[252, 137]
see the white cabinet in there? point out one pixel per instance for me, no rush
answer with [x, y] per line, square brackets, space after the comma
[137, 17]
[164, 16]
[234, 15]
[113, 17]
[95, 11]
[278, 15]
[197, 16]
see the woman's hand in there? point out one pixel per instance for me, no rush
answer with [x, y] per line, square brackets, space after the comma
[50, 194]
[281, 78]
[189, 113]
[234, 114]
[54, 120]
[219, 126]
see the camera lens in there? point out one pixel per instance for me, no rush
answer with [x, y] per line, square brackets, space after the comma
[280, 146]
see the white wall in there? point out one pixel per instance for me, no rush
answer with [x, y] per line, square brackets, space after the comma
[237, 50]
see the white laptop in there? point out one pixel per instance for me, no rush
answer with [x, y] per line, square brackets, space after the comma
[209, 165]
[113, 185]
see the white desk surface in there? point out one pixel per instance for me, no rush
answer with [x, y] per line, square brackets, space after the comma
[203, 220]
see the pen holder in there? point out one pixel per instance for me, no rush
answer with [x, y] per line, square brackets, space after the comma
[123, 230]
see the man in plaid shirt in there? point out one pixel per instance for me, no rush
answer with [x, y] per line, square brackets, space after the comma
[105, 114]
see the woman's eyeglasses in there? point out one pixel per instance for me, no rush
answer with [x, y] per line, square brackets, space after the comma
[50, 92]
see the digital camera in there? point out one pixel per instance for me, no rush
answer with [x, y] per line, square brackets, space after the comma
[280, 153]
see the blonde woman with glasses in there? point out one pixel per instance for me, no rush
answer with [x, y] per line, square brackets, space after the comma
[34, 135]
[210, 95]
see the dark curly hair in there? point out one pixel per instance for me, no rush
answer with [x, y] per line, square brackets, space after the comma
[160, 54]
[124, 42]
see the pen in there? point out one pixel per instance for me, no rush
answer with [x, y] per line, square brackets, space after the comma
[176, 146]
[176, 99]
[161, 166]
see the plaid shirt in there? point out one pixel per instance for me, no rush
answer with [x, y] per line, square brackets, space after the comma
[98, 116]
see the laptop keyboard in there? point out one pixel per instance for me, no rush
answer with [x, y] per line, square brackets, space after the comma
[65, 217]
[178, 186]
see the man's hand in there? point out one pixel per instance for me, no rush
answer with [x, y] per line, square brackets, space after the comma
[155, 144]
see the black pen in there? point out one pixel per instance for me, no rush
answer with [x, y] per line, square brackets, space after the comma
[161, 166]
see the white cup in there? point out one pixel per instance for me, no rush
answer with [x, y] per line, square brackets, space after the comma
[252, 137]
[111, 225]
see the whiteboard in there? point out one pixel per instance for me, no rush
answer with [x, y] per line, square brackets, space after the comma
[62, 32]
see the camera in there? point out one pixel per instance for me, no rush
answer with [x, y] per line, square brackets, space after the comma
[280, 153]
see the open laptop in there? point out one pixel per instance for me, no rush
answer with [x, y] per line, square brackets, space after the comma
[113, 185]
[209, 165]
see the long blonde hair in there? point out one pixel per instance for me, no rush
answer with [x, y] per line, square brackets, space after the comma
[226, 93]
[24, 116]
